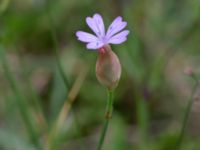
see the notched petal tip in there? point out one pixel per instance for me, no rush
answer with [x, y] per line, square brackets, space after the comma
[126, 32]
[88, 19]
[119, 18]
[97, 15]
[125, 23]
[78, 33]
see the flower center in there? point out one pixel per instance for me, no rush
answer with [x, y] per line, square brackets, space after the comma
[103, 39]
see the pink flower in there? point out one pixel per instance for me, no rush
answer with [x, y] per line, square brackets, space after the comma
[108, 67]
[101, 38]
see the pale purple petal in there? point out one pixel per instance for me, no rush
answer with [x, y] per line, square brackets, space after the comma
[116, 26]
[114, 34]
[91, 23]
[95, 45]
[117, 41]
[86, 37]
[119, 38]
[96, 24]
[100, 24]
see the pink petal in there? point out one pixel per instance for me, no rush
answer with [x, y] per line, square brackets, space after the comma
[116, 26]
[119, 38]
[86, 37]
[91, 23]
[100, 24]
[94, 45]
[117, 41]
[96, 25]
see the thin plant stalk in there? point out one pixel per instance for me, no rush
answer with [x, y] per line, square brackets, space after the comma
[36, 98]
[61, 71]
[25, 113]
[187, 113]
[108, 116]
[63, 114]
[56, 47]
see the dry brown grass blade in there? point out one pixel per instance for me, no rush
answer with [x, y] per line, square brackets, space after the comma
[66, 107]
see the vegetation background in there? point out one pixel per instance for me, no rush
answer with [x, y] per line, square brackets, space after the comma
[51, 99]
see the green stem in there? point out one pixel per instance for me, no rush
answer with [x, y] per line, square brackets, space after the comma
[187, 114]
[20, 100]
[108, 116]
[58, 60]
[56, 46]
[35, 97]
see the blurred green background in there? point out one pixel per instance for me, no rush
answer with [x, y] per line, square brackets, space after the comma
[44, 70]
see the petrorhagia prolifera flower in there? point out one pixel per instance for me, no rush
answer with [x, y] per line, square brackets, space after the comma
[112, 36]
[108, 68]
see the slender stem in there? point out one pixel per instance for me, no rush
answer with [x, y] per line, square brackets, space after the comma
[108, 116]
[56, 46]
[187, 114]
[63, 114]
[61, 70]
[20, 101]
[35, 97]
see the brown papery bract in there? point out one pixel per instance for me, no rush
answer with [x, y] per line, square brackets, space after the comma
[108, 67]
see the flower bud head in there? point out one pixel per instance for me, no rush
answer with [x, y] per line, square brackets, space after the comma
[108, 68]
